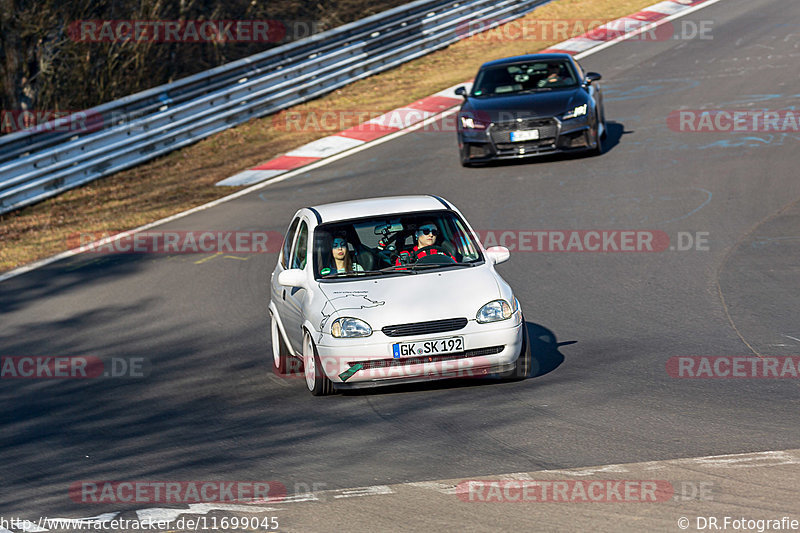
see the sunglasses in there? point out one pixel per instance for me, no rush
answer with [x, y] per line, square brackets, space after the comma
[428, 231]
[339, 243]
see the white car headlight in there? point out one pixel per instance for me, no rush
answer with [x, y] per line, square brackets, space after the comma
[494, 311]
[469, 123]
[350, 327]
[579, 111]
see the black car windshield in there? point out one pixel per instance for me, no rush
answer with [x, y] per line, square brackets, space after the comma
[388, 245]
[524, 77]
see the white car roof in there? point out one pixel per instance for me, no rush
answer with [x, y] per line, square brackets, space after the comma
[379, 206]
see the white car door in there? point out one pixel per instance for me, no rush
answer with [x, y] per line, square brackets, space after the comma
[292, 297]
[277, 290]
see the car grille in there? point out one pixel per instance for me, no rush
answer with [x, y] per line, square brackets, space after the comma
[528, 146]
[387, 363]
[548, 128]
[424, 328]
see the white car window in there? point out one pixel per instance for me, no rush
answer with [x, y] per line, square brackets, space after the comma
[300, 251]
[287, 243]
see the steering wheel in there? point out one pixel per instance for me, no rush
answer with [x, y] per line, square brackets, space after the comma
[433, 258]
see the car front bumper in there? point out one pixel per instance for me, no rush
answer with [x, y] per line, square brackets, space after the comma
[557, 136]
[488, 349]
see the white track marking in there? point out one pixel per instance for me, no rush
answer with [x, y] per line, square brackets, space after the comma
[325, 147]
[607, 469]
[452, 487]
[364, 491]
[745, 460]
[444, 488]
[668, 8]
[247, 177]
[162, 514]
[576, 44]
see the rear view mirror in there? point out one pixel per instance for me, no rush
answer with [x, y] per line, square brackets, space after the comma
[294, 277]
[592, 77]
[498, 254]
[461, 91]
[384, 229]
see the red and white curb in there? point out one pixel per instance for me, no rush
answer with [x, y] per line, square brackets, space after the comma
[390, 122]
[624, 27]
[418, 111]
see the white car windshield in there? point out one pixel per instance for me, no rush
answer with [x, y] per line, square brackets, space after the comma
[393, 244]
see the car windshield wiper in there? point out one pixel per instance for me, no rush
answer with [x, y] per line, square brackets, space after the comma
[411, 267]
[360, 273]
[426, 265]
[396, 268]
[535, 90]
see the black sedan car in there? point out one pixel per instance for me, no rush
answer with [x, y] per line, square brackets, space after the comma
[530, 105]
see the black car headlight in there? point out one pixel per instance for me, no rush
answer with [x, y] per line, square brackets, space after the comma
[350, 327]
[577, 111]
[494, 311]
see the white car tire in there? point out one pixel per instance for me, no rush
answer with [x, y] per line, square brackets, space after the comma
[316, 380]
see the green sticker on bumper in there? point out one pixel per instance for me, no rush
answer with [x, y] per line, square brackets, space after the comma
[347, 374]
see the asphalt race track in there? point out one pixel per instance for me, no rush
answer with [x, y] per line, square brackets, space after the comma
[603, 325]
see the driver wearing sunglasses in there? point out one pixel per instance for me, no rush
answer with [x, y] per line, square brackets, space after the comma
[426, 235]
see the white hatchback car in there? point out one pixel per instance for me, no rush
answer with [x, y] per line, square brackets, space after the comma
[391, 290]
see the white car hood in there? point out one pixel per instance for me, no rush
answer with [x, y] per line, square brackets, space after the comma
[409, 298]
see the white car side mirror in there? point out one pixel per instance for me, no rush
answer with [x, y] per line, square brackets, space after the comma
[498, 254]
[294, 277]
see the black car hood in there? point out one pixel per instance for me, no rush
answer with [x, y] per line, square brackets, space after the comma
[535, 104]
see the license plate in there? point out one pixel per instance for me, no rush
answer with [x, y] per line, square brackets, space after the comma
[525, 135]
[431, 347]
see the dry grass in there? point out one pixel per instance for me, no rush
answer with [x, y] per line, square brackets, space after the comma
[186, 178]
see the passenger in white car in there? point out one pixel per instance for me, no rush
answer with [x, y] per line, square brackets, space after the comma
[342, 262]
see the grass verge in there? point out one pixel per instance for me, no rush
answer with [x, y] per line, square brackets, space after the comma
[186, 178]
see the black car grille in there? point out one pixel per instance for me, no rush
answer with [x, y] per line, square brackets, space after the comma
[423, 328]
[388, 363]
[528, 146]
[548, 129]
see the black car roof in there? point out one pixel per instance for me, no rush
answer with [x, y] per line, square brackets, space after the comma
[521, 59]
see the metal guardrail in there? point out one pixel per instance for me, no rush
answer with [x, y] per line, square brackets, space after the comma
[37, 164]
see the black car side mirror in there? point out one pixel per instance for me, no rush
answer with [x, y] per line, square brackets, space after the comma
[592, 76]
[461, 91]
